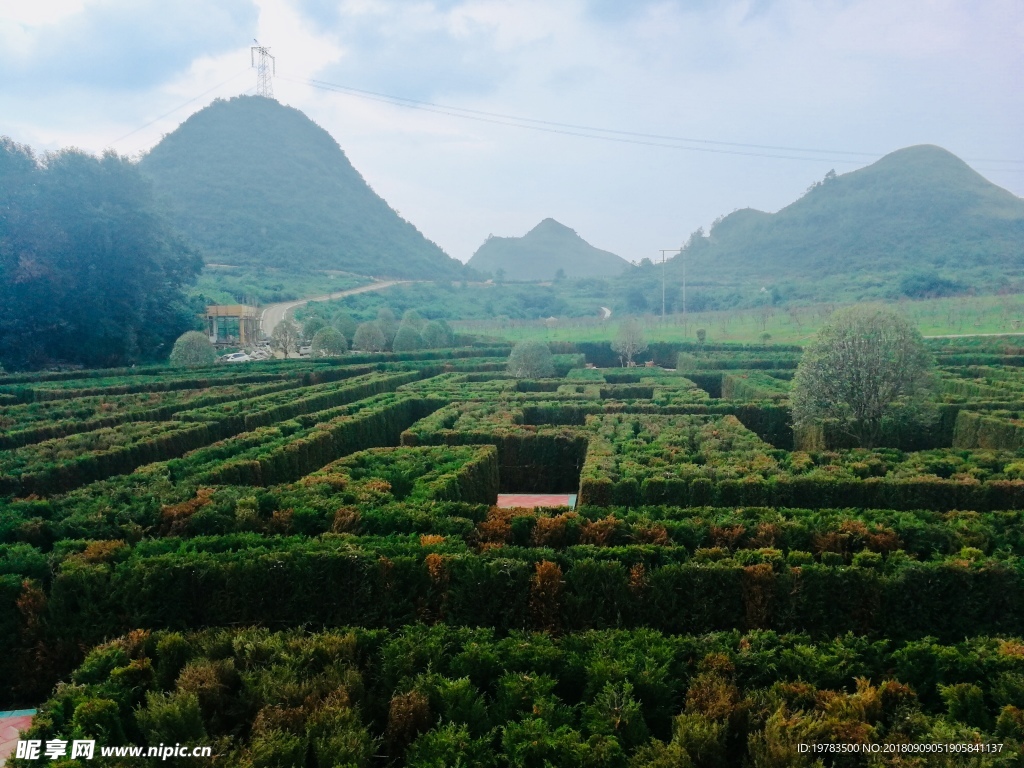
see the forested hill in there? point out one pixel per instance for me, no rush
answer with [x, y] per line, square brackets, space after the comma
[918, 221]
[542, 252]
[251, 181]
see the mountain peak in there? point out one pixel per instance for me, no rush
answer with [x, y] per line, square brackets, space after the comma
[252, 181]
[542, 252]
[917, 210]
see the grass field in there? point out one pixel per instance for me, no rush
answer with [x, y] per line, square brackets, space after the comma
[789, 325]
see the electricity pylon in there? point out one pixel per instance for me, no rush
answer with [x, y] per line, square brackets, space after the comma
[266, 68]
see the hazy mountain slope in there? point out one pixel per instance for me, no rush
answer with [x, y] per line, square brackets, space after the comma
[917, 211]
[541, 252]
[251, 181]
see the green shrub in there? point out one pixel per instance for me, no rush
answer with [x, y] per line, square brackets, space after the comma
[193, 349]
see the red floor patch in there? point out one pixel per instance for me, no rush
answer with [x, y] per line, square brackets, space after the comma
[9, 728]
[530, 500]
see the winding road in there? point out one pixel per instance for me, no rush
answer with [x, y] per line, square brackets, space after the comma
[275, 313]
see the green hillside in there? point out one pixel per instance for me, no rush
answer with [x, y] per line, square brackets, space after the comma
[917, 222]
[253, 182]
[542, 252]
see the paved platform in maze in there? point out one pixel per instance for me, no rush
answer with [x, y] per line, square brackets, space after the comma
[10, 724]
[530, 500]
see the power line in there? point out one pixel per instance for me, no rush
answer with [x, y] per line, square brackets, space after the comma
[542, 126]
[180, 106]
[606, 134]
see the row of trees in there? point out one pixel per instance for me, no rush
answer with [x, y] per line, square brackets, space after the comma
[385, 333]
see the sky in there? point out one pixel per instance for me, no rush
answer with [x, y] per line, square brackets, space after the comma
[649, 118]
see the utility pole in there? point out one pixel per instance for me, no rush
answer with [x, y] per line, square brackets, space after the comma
[663, 252]
[266, 68]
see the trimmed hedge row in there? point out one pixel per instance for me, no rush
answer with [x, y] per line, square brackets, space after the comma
[544, 460]
[665, 354]
[1000, 430]
[157, 441]
[309, 451]
[411, 475]
[807, 492]
[130, 446]
[753, 386]
[247, 415]
[333, 583]
[162, 384]
[52, 429]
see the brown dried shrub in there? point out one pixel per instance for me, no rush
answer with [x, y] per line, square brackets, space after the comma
[545, 595]
[727, 536]
[31, 605]
[408, 717]
[497, 528]
[765, 535]
[346, 520]
[552, 531]
[883, 540]
[654, 533]
[599, 532]
[712, 695]
[637, 579]
[276, 717]
[174, 517]
[436, 567]
[758, 595]
[281, 520]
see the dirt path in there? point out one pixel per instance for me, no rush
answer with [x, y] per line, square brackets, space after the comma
[275, 313]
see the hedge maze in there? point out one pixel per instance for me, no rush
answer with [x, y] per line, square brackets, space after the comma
[303, 563]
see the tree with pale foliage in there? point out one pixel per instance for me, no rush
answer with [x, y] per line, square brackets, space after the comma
[311, 326]
[436, 334]
[413, 318]
[408, 339]
[192, 349]
[369, 337]
[285, 337]
[388, 323]
[328, 342]
[866, 365]
[531, 360]
[629, 341]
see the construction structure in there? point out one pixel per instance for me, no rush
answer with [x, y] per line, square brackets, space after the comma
[266, 68]
[229, 324]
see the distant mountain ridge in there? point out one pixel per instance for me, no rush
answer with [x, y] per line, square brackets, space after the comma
[919, 211]
[253, 182]
[542, 252]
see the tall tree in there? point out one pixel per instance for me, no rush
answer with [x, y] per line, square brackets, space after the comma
[89, 273]
[866, 364]
[328, 342]
[531, 360]
[369, 338]
[407, 339]
[285, 337]
[629, 341]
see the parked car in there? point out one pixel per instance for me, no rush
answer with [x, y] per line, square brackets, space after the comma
[235, 357]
